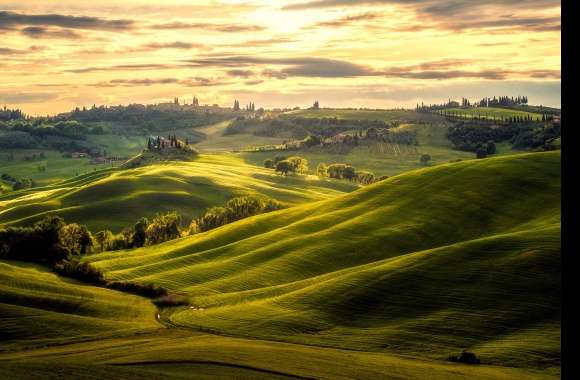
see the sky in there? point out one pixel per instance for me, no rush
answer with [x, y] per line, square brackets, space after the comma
[57, 55]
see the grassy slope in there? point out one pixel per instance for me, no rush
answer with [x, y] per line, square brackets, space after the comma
[355, 114]
[216, 141]
[175, 354]
[493, 113]
[116, 199]
[384, 158]
[463, 255]
[37, 308]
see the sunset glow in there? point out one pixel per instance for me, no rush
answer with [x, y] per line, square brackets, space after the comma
[56, 55]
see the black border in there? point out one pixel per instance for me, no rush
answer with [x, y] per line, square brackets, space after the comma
[570, 192]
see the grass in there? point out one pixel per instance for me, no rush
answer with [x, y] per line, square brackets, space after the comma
[173, 354]
[381, 158]
[383, 282]
[356, 114]
[216, 141]
[39, 308]
[58, 168]
[493, 113]
[424, 264]
[114, 199]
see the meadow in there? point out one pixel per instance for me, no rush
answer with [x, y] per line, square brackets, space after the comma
[492, 113]
[360, 114]
[380, 158]
[391, 278]
[437, 270]
[113, 198]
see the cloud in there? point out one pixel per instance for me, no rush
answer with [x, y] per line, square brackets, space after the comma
[240, 73]
[458, 14]
[10, 20]
[305, 67]
[146, 82]
[27, 97]
[41, 32]
[171, 45]
[9, 51]
[348, 20]
[144, 66]
[228, 28]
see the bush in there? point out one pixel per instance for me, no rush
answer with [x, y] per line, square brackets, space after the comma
[465, 357]
[284, 167]
[148, 290]
[171, 300]
[269, 164]
[83, 272]
[424, 159]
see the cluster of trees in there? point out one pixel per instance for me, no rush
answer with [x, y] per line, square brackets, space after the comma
[348, 172]
[161, 228]
[501, 101]
[18, 183]
[249, 107]
[36, 134]
[284, 166]
[300, 127]
[170, 142]
[48, 241]
[482, 138]
[235, 209]
[7, 114]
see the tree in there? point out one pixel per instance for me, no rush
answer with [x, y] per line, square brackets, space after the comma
[103, 239]
[284, 167]
[163, 227]
[268, 163]
[424, 159]
[316, 105]
[299, 164]
[481, 152]
[76, 238]
[322, 170]
[140, 235]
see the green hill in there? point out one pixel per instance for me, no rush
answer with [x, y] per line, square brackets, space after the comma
[38, 308]
[115, 199]
[425, 264]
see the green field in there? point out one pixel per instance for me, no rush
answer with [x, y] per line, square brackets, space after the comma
[391, 279]
[356, 114]
[114, 199]
[381, 158]
[492, 113]
[463, 255]
[216, 141]
[38, 308]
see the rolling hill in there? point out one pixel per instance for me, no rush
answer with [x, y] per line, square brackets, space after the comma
[425, 264]
[39, 308]
[115, 199]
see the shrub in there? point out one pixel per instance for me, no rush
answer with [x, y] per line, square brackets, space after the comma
[171, 300]
[145, 290]
[284, 167]
[465, 357]
[424, 159]
[365, 178]
[268, 163]
[83, 272]
[322, 170]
